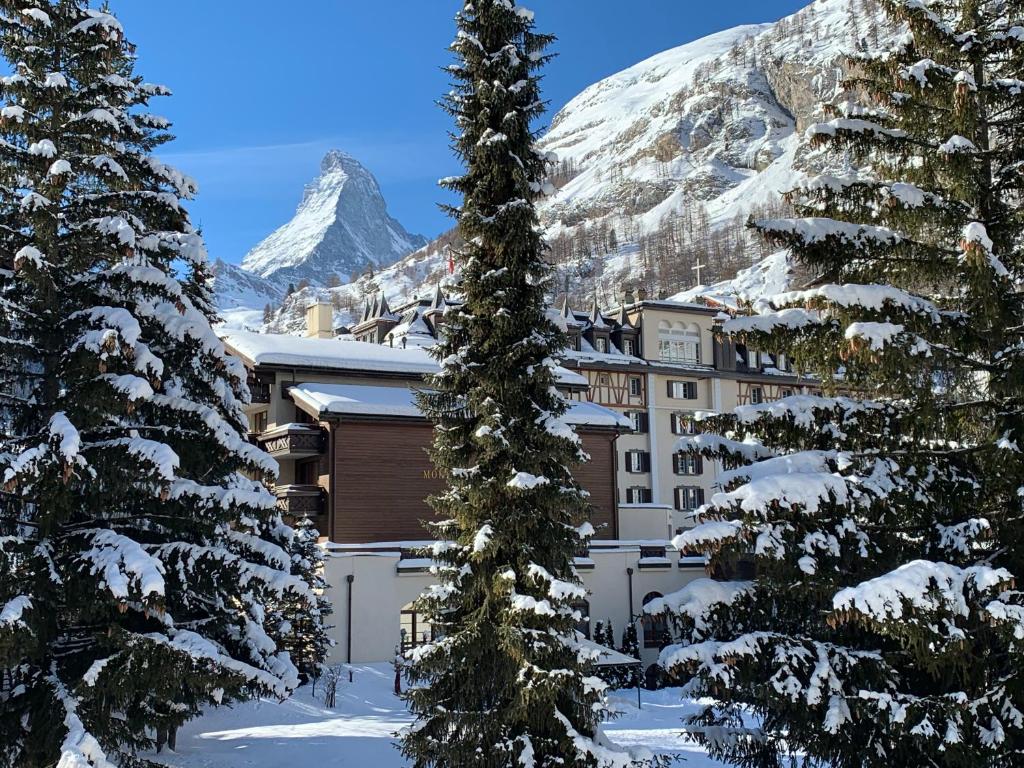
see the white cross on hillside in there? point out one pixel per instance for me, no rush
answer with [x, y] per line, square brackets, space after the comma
[697, 268]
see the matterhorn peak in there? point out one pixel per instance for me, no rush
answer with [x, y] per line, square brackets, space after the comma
[341, 226]
[339, 159]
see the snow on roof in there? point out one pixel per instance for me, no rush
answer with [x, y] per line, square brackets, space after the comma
[335, 353]
[604, 656]
[373, 400]
[344, 354]
[586, 353]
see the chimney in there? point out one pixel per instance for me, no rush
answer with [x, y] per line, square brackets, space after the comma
[641, 293]
[627, 297]
[320, 320]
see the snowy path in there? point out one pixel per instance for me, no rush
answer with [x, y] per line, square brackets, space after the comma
[359, 731]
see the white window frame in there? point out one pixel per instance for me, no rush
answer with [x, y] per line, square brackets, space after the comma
[680, 388]
[679, 343]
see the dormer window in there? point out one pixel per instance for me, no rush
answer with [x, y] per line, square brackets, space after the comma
[601, 344]
[628, 347]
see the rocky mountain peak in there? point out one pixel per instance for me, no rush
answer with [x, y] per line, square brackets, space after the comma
[341, 226]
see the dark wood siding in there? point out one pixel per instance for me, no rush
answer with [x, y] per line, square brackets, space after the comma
[383, 477]
[598, 476]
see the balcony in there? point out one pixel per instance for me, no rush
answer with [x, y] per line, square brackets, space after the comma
[301, 500]
[294, 441]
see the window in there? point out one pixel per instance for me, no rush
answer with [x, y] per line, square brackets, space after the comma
[415, 628]
[601, 344]
[628, 348]
[639, 420]
[678, 343]
[636, 385]
[259, 422]
[307, 472]
[682, 390]
[787, 393]
[689, 497]
[756, 395]
[652, 551]
[638, 461]
[603, 379]
[684, 424]
[639, 495]
[656, 626]
[687, 464]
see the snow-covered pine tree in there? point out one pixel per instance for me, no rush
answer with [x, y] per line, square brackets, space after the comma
[140, 567]
[305, 630]
[507, 683]
[883, 626]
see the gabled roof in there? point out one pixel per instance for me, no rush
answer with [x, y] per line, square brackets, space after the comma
[623, 321]
[439, 301]
[596, 320]
[567, 312]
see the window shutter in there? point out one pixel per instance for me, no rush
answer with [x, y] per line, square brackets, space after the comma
[645, 422]
[699, 465]
[700, 497]
[645, 462]
[671, 389]
[676, 457]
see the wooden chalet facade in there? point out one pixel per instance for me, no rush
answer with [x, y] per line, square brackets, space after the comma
[341, 420]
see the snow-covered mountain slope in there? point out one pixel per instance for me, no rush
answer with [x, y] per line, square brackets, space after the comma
[768, 277]
[660, 165]
[341, 226]
[241, 296]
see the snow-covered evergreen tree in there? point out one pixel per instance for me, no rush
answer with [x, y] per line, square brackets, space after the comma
[883, 626]
[140, 567]
[303, 626]
[507, 683]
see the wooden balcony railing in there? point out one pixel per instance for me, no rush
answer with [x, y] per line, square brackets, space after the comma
[292, 441]
[301, 500]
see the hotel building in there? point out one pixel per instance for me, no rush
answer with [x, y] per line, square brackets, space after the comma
[337, 409]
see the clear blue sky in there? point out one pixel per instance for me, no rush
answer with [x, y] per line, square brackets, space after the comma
[262, 89]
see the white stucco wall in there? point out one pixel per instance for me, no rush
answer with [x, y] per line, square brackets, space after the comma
[380, 591]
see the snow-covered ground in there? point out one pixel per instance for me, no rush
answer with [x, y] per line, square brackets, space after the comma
[359, 730]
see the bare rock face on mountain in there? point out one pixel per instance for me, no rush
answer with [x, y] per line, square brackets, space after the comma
[341, 226]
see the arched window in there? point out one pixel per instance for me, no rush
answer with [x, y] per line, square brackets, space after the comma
[655, 627]
[678, 343]
[414, 627]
